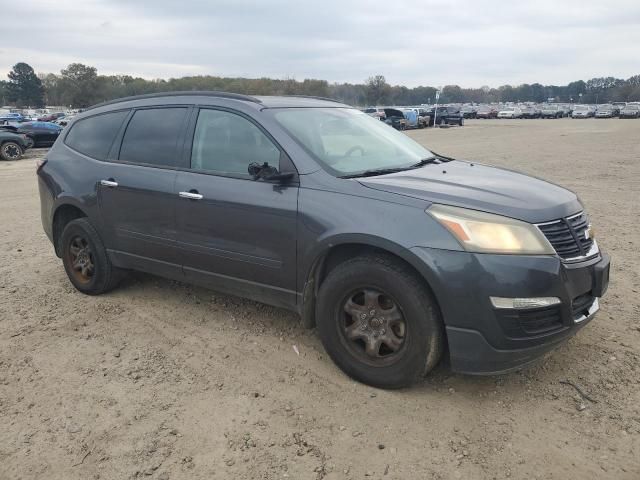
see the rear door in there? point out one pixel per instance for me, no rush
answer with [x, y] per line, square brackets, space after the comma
[235, 233]
[136, 195]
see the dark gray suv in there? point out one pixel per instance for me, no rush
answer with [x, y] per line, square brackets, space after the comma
[396, 254]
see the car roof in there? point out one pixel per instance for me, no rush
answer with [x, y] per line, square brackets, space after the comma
[211, 97]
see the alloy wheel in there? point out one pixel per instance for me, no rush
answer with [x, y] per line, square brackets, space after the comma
[11, 151]
[80, 259]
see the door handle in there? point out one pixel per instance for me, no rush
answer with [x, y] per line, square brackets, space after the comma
[109, 183]
[194, 195]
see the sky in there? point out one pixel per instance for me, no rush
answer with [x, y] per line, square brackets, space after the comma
[420, 42]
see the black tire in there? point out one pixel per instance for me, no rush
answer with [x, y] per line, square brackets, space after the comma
[461, 123]
[85, 259]
[382, 282]
[30, 142]
[11, 151]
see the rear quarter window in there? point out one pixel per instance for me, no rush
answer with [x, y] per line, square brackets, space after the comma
[93, 136]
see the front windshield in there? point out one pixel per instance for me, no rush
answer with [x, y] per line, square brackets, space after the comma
[632, 107]
[581, 107]
[349, 142]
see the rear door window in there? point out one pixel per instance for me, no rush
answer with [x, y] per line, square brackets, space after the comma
[152, 137]
[93, 136]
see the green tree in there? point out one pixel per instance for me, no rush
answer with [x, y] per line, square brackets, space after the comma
[3, 92]
[80, 85]
[377, 90]
[452, 94]
[24, 87]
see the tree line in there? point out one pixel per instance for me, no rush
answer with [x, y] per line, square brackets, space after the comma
[79, 86]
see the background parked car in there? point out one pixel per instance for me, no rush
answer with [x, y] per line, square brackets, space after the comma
[12, 145]
[551, 111]
[630, 111]
[414, 118]
[469, 111]
[607, 111]
[583, 111]
[486, 111]
[375, 112]
[510, 112]
[64, 121]
[12, 117]
[51, 117]
[531, 112]
[448, 115]
[40, 134]
[423, 113]
[395, 118]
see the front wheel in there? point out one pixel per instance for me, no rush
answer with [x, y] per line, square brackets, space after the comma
[461, 123]
[85, 258]
[378, 321]
[30, 142]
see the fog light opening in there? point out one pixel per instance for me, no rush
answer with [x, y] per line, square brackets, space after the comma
[523, 303]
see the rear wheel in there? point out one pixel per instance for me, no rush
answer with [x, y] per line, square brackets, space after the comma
[461, 123]
[10, 151]
[85, 258]
[378, 321]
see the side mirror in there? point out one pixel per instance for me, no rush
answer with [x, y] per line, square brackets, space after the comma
[267, 172]
[280, 177]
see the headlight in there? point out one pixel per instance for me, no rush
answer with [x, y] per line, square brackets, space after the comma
[487, 233]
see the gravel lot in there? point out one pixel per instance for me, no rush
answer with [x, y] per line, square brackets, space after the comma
[162, 380]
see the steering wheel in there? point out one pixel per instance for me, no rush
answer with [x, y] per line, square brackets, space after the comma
[353, 149]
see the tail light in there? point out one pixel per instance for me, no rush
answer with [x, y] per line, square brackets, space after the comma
[40, 163]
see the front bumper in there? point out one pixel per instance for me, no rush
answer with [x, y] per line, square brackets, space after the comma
[486, 340]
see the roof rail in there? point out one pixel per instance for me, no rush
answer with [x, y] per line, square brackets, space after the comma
[192, 93]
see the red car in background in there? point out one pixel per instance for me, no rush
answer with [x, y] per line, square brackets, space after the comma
[486, 112]
[51, 117]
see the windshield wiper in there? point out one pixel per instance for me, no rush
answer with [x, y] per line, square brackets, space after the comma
[425, 161]
[384, 171]
[374, 172]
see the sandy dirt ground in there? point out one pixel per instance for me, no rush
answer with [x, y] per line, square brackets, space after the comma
[162, 380]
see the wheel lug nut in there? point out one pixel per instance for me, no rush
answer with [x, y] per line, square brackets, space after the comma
[383, 331]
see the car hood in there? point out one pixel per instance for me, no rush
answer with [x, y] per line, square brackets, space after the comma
[481, 187]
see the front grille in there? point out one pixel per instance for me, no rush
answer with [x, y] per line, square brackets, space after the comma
[567, 235]
[524, 323]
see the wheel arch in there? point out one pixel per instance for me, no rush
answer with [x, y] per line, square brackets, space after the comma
[64, 213]
[20, 144]
[337, 250]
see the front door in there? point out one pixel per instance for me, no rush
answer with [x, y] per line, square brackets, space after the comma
[235, 233]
